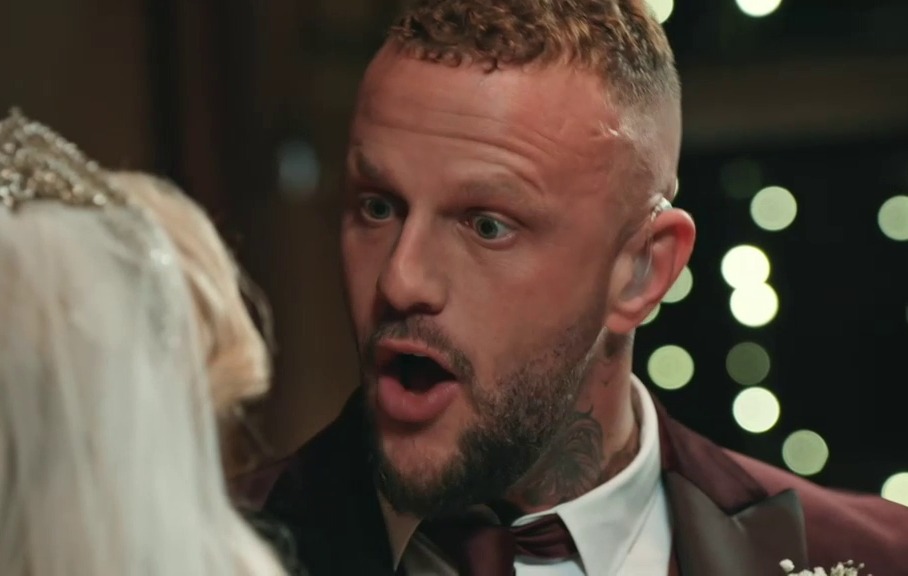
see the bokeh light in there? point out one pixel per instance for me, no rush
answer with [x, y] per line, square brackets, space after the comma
[756, 410]
[755, 305]
[758, 8]
[653, 314]
[662, 9]
[895, 488]
[893, 218]
[670, 367]
[299, 169]
[745, 265]
[773, 208]
[805, 452]
[681, 288]
[748, 363]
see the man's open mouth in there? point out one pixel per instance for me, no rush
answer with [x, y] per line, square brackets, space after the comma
[415, 372]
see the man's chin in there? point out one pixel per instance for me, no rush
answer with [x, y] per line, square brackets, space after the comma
[414, 468]
[440, 469]
[428, 488]
[418, 494]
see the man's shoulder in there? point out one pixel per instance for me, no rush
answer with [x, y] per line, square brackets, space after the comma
[322, 459]
[324, 495]
[840, 525]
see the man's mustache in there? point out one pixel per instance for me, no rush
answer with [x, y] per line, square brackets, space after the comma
[419, 330]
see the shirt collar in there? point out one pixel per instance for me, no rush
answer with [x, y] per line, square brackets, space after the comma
[604, 522]
[401, 528]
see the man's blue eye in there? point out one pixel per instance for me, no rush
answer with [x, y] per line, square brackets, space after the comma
[489, 228]
[375, 208]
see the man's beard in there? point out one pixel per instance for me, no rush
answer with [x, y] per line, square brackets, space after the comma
[517, 419]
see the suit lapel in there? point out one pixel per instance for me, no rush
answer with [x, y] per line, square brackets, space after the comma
[724, 521]
[327, 498]
[711, 542]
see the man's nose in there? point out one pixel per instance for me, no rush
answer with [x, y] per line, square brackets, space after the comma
[412, 280]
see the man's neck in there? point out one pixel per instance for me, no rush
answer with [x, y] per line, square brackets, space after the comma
[599, 440]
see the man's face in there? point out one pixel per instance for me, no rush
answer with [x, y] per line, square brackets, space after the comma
[478, 240]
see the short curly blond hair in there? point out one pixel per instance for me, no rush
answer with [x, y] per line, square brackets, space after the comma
[618, 39]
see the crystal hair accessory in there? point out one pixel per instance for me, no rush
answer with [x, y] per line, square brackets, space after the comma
[38, 164]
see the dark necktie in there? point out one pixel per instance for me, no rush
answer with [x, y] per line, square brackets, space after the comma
[481, 549]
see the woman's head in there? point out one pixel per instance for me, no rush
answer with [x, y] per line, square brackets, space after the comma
[108, 447]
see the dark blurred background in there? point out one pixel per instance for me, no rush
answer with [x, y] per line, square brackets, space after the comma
[787, 338]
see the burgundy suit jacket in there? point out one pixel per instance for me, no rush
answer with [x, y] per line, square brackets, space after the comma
[731, 515]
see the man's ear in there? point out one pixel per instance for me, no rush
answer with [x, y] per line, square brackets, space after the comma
[647, 267]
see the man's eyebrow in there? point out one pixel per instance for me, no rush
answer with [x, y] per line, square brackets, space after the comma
[498, 186]
[479, 189]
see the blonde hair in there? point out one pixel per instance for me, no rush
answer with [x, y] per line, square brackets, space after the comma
[109, 461]
[235, 353]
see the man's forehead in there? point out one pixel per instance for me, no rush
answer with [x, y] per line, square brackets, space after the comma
[558, 89]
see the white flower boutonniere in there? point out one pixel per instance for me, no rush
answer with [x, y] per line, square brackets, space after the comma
[841, 569]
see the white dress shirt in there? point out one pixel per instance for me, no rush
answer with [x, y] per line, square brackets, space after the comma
[621, 528]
